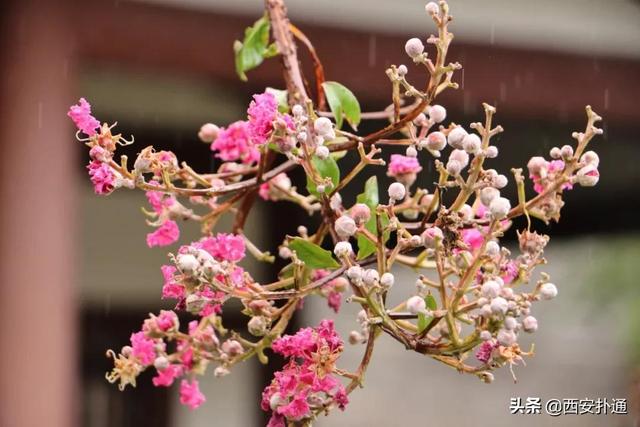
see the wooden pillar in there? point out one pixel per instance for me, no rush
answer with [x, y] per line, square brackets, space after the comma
[38, 356]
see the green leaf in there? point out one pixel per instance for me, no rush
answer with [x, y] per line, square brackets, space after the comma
[343, 103]
[370, 198]
[423, 320]
[311, 254]
[327, 168]
[255, 47]
[281, 97]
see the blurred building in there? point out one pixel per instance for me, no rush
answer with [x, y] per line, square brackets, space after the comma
[77, 276]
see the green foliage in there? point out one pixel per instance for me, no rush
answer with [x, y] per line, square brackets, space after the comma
[281, 97]
[255, 47]
[311, 254]
[343, 104]
[327, 168]
[424, 320]
[370, 198]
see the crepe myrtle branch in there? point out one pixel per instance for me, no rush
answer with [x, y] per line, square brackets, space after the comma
[472, 296]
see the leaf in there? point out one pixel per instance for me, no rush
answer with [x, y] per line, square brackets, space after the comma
[255, 47]
[327, 168]
[424, 320]
[343, 104]
[370, 198]
[281, 97]
[311, 254]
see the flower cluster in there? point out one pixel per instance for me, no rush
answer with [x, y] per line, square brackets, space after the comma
[472, 295]
[307, 382]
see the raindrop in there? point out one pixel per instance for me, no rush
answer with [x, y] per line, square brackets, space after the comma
[372, 50]
[40, 106]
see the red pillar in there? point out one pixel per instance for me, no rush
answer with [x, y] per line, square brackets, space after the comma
[38, 312]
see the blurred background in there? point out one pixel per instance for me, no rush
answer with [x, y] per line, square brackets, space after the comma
[76, 274]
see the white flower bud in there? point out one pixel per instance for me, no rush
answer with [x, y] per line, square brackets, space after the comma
[355, 273]
[355, 337]
[510, 323]
[506, 293]
[456, 136]
[402, 70]
[485, 335]
[488, 195]
[362, 318]
[322, 152]
[499, 207]
[485, 310]
[321, 188]
[343, 249]
[554, 153]
[335, 202]
[360, 213]
[460, 156]
[323, 126]
[566, 152]
[297, 110]
[430, 236]
[500, 181]
[161, 363]
[284, 252]
[432, 8]
[420, 119]
[491, 152]
[220, 371]
[187, 263]
[302, 230]
[411, 151]
[437, 113]
[416, 305]
[396, 191]
[506, 338]
[536, 165]
[414, 47]
[370, 277]
[436, 141]
[499, 305]
[387, 280]
[590, 158]
[588, 176]
[257, 326]
[548, 291]
[345, 226]
[208, 132]
[493, 248]
[471, 143]
[490, 289]
[467, 212]
[530, 324]
[482, 301]
[454, 167]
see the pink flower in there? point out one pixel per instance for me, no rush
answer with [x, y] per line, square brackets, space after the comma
[262, 111]
[167, 320]
[234, 143]
[164, 235]
[190, 394]
[473, 238]
[297, 409]
[81, 116]
[224, 247]
[402, 165]
[159, 200]
[102, 177]
[484, 351]
[334, 300]
[143, 348]
[171, 288]
[166, 376]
